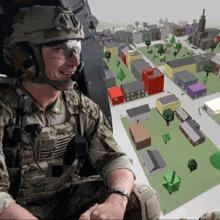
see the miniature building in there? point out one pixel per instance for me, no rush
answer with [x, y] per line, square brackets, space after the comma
[196, 90]
[107, 38]
[140, 136]
[174, 66]
[146, 35]
[153, 162]
[200, 38]
[133, 90]
[169, 101]
[153, 80]
[213, 106]
[132, 55]
[137, 38]
[123, 36]
[203, 60]
[182, 114]
[110, 78]
[212, 32]
[188, 29]
[137, 66]
[164, 32]
[179, 31]
[194, 136]
[112, 47]
[217, 39]
[215, 62]
[124, 54]
[105, 65]
[156, 35]
[116, 95]
[171, 27]
[184, 79]
[138, 114]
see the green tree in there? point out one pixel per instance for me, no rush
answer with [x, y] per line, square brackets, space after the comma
[172, 39]
[166, 137]
[121, 75]
[137, 24]
[118, 63]
[192, 165]
[107, 55]
[205, 79]
[160, 50]
[213, 46]
[168, 115]
[145, 24]
[190, 52]
[178, 47]
[154, 56]
[174, 54]
[208, 69]
[113, 28]
[147, 42]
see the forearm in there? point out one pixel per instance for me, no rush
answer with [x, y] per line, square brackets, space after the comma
[15, 211]
[123, 178]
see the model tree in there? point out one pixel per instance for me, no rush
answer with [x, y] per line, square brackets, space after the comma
[166, 137]
[147, 42]
[215, 160]
[154, 56]
[145, 24]
[205, 79]
[107, 55]
[121, 75]
[208, 69]
[160, 50]
[113, 28]
[178, 47]
[192, 165]
[174, 54]
[213, 46]
[191, 53]
[168, 115]
[137, 24]
[172, 39]
[118, 63]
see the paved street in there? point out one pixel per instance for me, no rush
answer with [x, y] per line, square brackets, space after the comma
[210, 200]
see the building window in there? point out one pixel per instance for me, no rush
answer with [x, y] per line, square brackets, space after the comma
[127, 95]
[132, 93]
[116, 99]
[139, 96]
[139, 92]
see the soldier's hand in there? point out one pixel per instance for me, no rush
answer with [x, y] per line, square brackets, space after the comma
[86, 215]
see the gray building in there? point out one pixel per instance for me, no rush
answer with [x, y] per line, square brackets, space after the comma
[203, 60]
[137, 66]
[156, 35]
[190, 129]
[171, 27]
[137, 38]
[138, 114]
[195, 27]
[182, 115]
[153, 162]
[146, 35]
[110, 78]
[164, 32]
[213, 32]
[122, 46]
[152, 26]
[184, 79]
[123, 36]
[133, 90]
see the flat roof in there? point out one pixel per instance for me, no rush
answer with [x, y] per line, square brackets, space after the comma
[196, 87]
[214, 104]
[168, 99]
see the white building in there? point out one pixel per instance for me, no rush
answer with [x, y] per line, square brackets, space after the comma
[213, 106]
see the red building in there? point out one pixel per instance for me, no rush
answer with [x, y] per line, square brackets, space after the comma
[116, 95]
[153, 80]
[218, 39]
[123, 54]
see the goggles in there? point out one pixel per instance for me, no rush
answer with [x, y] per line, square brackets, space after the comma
[64, 49]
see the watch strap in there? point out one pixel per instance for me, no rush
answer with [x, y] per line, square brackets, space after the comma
[120, 191]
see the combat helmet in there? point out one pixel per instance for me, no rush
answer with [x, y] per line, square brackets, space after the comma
[33, 27]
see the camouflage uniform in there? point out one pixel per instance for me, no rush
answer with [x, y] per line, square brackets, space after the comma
[61, 197]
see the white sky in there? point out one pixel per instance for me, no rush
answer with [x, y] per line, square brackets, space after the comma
[126, 11]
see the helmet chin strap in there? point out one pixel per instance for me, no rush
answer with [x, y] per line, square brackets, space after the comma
[43, 79]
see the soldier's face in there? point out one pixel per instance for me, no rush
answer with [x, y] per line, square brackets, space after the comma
[60, 63]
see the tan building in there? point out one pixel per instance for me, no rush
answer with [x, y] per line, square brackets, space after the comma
[132, 55]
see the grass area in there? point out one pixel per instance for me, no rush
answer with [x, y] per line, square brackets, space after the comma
[216, 50]
[169, 57]
[176, 154]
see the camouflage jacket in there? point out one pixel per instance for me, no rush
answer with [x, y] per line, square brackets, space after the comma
[59, 119]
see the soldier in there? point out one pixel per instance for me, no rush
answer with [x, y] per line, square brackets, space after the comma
[44, 54]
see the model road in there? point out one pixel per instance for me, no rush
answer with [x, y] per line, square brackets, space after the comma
[208, 200]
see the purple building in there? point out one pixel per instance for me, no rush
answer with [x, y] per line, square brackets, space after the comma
[107, 38]
[196, 90]
[188, 29]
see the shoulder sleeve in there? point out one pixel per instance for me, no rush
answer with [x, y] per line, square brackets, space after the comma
[104, 152]
[4, 176]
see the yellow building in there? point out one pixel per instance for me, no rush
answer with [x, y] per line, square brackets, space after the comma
[132, 55]
[169, 101]
[112, 47]
[175, 66]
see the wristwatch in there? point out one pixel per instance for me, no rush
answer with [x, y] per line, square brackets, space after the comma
[120, 191]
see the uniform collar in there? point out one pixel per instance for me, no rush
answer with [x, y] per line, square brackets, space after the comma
[33, 107]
